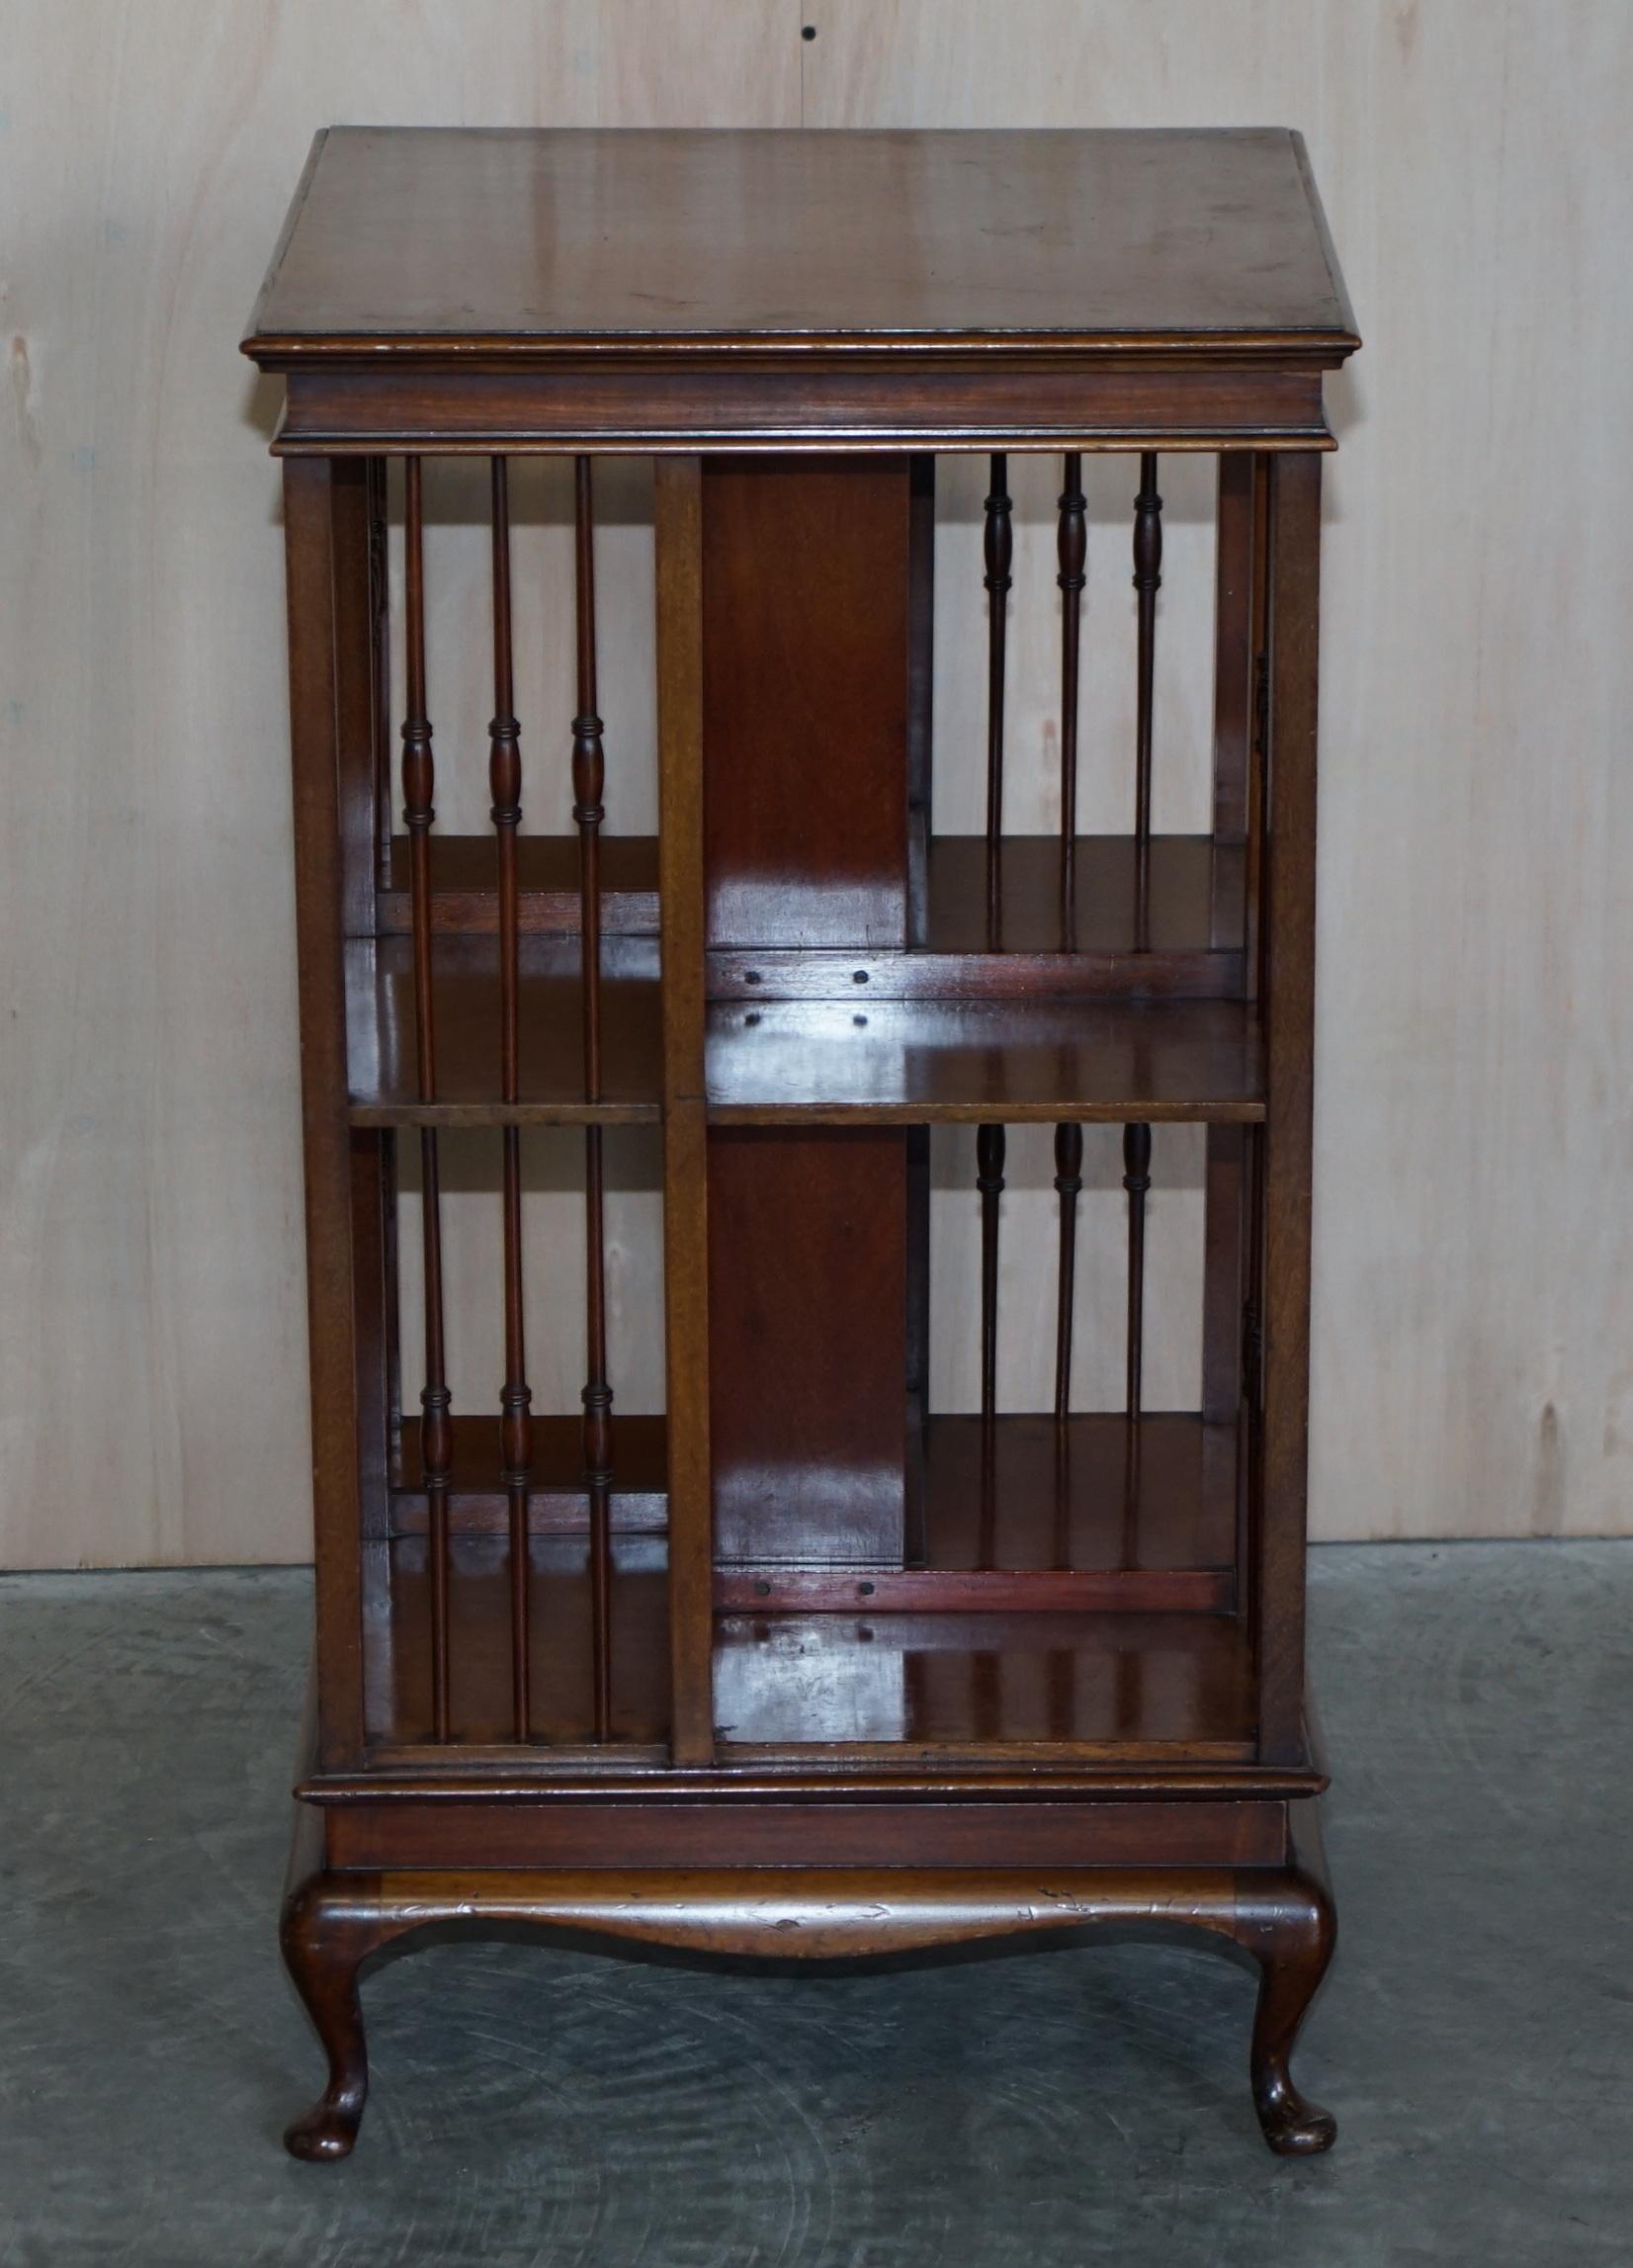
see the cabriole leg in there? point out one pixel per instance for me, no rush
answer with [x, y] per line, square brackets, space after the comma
[329, 1927]
[1290, 1929]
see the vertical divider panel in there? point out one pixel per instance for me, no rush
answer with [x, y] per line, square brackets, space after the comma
[679, 542]
[310, 554]
[1289, 1033]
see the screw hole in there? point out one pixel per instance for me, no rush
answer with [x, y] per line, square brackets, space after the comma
[866, 1589]
[859, 976]
[807, 30]
[762, 1590]
[751, 976]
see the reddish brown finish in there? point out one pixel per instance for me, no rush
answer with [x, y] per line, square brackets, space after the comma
[515, 1399]
[548, 885]
[809, 1668]
[465, 993]
[588, 781]
[916, 1062]
[1140, 243]
[1289, 1006]
[679, 534]
[999, 551]
[1073, 549]
[807, 794]
[559, 1491]
[598, 1837]
[1148, 581]
[332, 1288]
[808, 1332]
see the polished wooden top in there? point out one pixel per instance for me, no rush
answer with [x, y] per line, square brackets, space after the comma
[431, 240]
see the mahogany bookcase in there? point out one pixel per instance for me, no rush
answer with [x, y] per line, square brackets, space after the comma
[802, 1667]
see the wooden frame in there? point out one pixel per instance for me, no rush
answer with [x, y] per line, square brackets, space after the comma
[945, 1678]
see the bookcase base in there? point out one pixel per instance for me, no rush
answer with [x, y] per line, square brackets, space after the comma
[1278, 1917]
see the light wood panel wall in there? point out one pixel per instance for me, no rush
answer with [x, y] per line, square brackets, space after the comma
[1473, 1260]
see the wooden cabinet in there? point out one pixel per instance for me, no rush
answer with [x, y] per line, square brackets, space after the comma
[806, 1666]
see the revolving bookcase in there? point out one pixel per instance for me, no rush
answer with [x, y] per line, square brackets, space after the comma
[805, 1666]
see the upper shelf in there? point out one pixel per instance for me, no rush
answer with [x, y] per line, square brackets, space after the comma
[464, 885]
[381, 1026]
[908, 1063]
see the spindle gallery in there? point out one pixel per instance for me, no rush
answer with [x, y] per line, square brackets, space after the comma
[807, 1667]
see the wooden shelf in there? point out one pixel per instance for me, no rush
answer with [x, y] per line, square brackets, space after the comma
[1117, 1684]
[1193, 933]
[464, 885]
[1063, 1521]
[1195, 906]
[556, 1499]
[907, 1063]
[384, 1083]
[478, 1642]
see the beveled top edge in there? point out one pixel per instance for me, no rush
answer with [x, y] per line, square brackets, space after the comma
[286, 332]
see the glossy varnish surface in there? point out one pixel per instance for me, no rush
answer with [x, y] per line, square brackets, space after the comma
[803, 1623]
[522, 239]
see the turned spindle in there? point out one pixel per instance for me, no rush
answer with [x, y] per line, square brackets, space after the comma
[588, 776]
[1072, 549]
[1137, 1182]
[505, 772]
[435, 1431]
[999, 551]
[990, 1155]
[1068, 1183]
[1148, 581]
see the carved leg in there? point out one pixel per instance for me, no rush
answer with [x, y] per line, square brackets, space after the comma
[1290, 1929]
[330, 1925]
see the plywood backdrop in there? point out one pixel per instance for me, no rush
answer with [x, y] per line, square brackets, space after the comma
[1474, 1260]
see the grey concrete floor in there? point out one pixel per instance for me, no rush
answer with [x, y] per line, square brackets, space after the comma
[536, 2106]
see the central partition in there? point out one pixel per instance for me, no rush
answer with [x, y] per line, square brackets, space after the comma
[810, 674]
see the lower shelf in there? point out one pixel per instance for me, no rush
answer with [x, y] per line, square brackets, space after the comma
[560, 1625]
[1119, 1684]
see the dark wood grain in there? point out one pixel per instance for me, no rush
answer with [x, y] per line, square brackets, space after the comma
[465, 991]
[1197, 242]
[309, 565]
[1148, 581]
[1290, 1007]
[806, 794]
[981, 1682]
[515, 1396]
[588, 813]
[802, 1666]
[998, 545]
[807, 1326]
[1072, 549]
[906, 1063]
[463, 896]
[681, 710]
